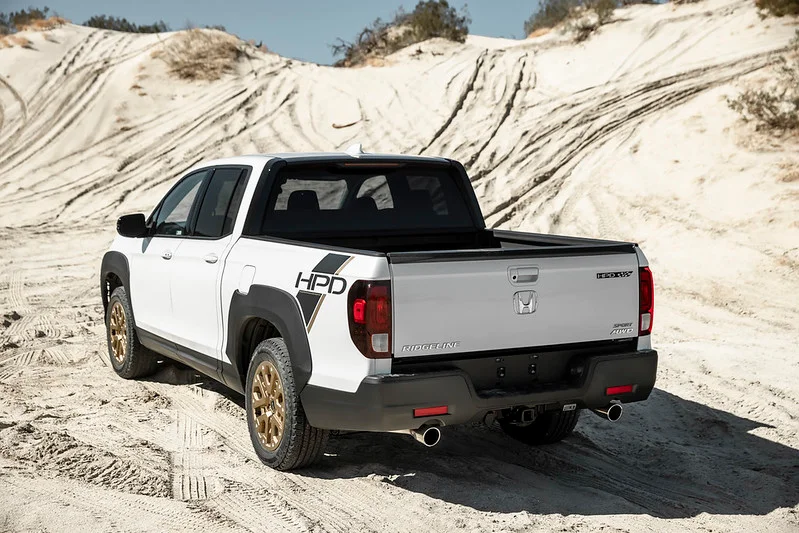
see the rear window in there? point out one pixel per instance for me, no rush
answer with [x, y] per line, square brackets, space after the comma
[339, 200]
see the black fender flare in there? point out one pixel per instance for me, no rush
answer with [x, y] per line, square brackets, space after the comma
[279, 308]
[114, 263]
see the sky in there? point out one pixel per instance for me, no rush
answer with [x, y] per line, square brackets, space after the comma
[302, 29]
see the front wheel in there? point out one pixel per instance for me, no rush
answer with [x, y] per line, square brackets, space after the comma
[547, 428]
[128, 357]
[281, 435]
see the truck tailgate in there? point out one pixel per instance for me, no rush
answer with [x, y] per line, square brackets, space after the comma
[485, 304]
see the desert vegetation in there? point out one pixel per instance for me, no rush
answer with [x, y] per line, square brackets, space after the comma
[199, 54]
[550, 13]
[774, 108]
[429, 19]
[14, 21]
[104, 22]
[778, 8]
[581, 18]
[29, 19]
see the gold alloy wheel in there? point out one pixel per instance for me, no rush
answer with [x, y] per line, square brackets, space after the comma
[118, 331]
[268, 406]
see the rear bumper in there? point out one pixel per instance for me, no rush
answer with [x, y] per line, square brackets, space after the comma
[385, 403]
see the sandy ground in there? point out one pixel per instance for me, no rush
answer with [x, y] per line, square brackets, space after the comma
[625, 136]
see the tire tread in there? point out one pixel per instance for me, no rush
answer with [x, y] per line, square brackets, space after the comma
[139, 361]
[306, 443]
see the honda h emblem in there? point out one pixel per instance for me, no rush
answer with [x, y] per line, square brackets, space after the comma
[525, 302]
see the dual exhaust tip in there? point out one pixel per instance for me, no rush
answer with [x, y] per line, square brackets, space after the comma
[430, 435]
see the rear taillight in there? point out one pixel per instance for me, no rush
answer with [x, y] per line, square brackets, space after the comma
[646, 301]
[369, 310]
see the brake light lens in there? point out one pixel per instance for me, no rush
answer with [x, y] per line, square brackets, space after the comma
[646, 300]
[359, 311]
[369, 309]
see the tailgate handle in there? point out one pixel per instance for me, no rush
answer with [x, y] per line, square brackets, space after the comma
[522, 275]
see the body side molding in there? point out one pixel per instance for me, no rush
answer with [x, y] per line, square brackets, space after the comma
[281, 309]
[202, 363]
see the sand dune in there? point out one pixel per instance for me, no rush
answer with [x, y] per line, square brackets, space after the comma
[625, 136]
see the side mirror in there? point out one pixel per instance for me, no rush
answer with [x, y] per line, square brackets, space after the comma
[133, 226]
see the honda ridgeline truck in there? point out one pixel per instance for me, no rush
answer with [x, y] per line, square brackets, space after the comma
[363, 292]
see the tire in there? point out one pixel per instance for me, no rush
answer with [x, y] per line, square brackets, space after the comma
[128, 357]
[547, 428]
[270, 384]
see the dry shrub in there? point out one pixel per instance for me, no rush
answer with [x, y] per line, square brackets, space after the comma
[21, 41]
[582, 27]
[540, 32]
[550, 13]
[774, 108]
[778, 8]
[43, 24]
[428, 20]
[581, 18]
[104, 22]
[790, 172]
[15, 21]
[201, 54]
[603, 8]
[9, 41]
[260, 46]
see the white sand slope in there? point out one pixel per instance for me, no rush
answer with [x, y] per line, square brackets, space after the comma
[625, 136]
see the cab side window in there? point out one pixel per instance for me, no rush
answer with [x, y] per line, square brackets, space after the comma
[220, 203]
[176, 209]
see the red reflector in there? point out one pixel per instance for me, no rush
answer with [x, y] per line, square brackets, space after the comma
[621, 389]
[359, 311]
[430, 411]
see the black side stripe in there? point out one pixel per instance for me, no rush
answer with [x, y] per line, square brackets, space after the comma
[311, 302]
[331, 263]
[308, 301]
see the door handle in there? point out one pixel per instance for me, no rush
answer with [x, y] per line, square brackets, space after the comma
[166, 254]
[211, 258]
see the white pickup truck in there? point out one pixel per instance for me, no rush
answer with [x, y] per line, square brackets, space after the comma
[362, 292]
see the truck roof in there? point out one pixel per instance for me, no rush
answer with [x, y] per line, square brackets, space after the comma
[354, 153]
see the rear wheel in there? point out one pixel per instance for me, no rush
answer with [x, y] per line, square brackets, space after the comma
[281, 435]
[128, 357]
[547, 428]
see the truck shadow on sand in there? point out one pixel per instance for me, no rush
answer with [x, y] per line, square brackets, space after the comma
[667, 457]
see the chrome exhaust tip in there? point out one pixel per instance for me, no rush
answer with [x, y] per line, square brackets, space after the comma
[429, 436]
[612, 412]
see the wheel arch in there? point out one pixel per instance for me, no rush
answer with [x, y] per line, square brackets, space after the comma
[114, 272]
[265, 312]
